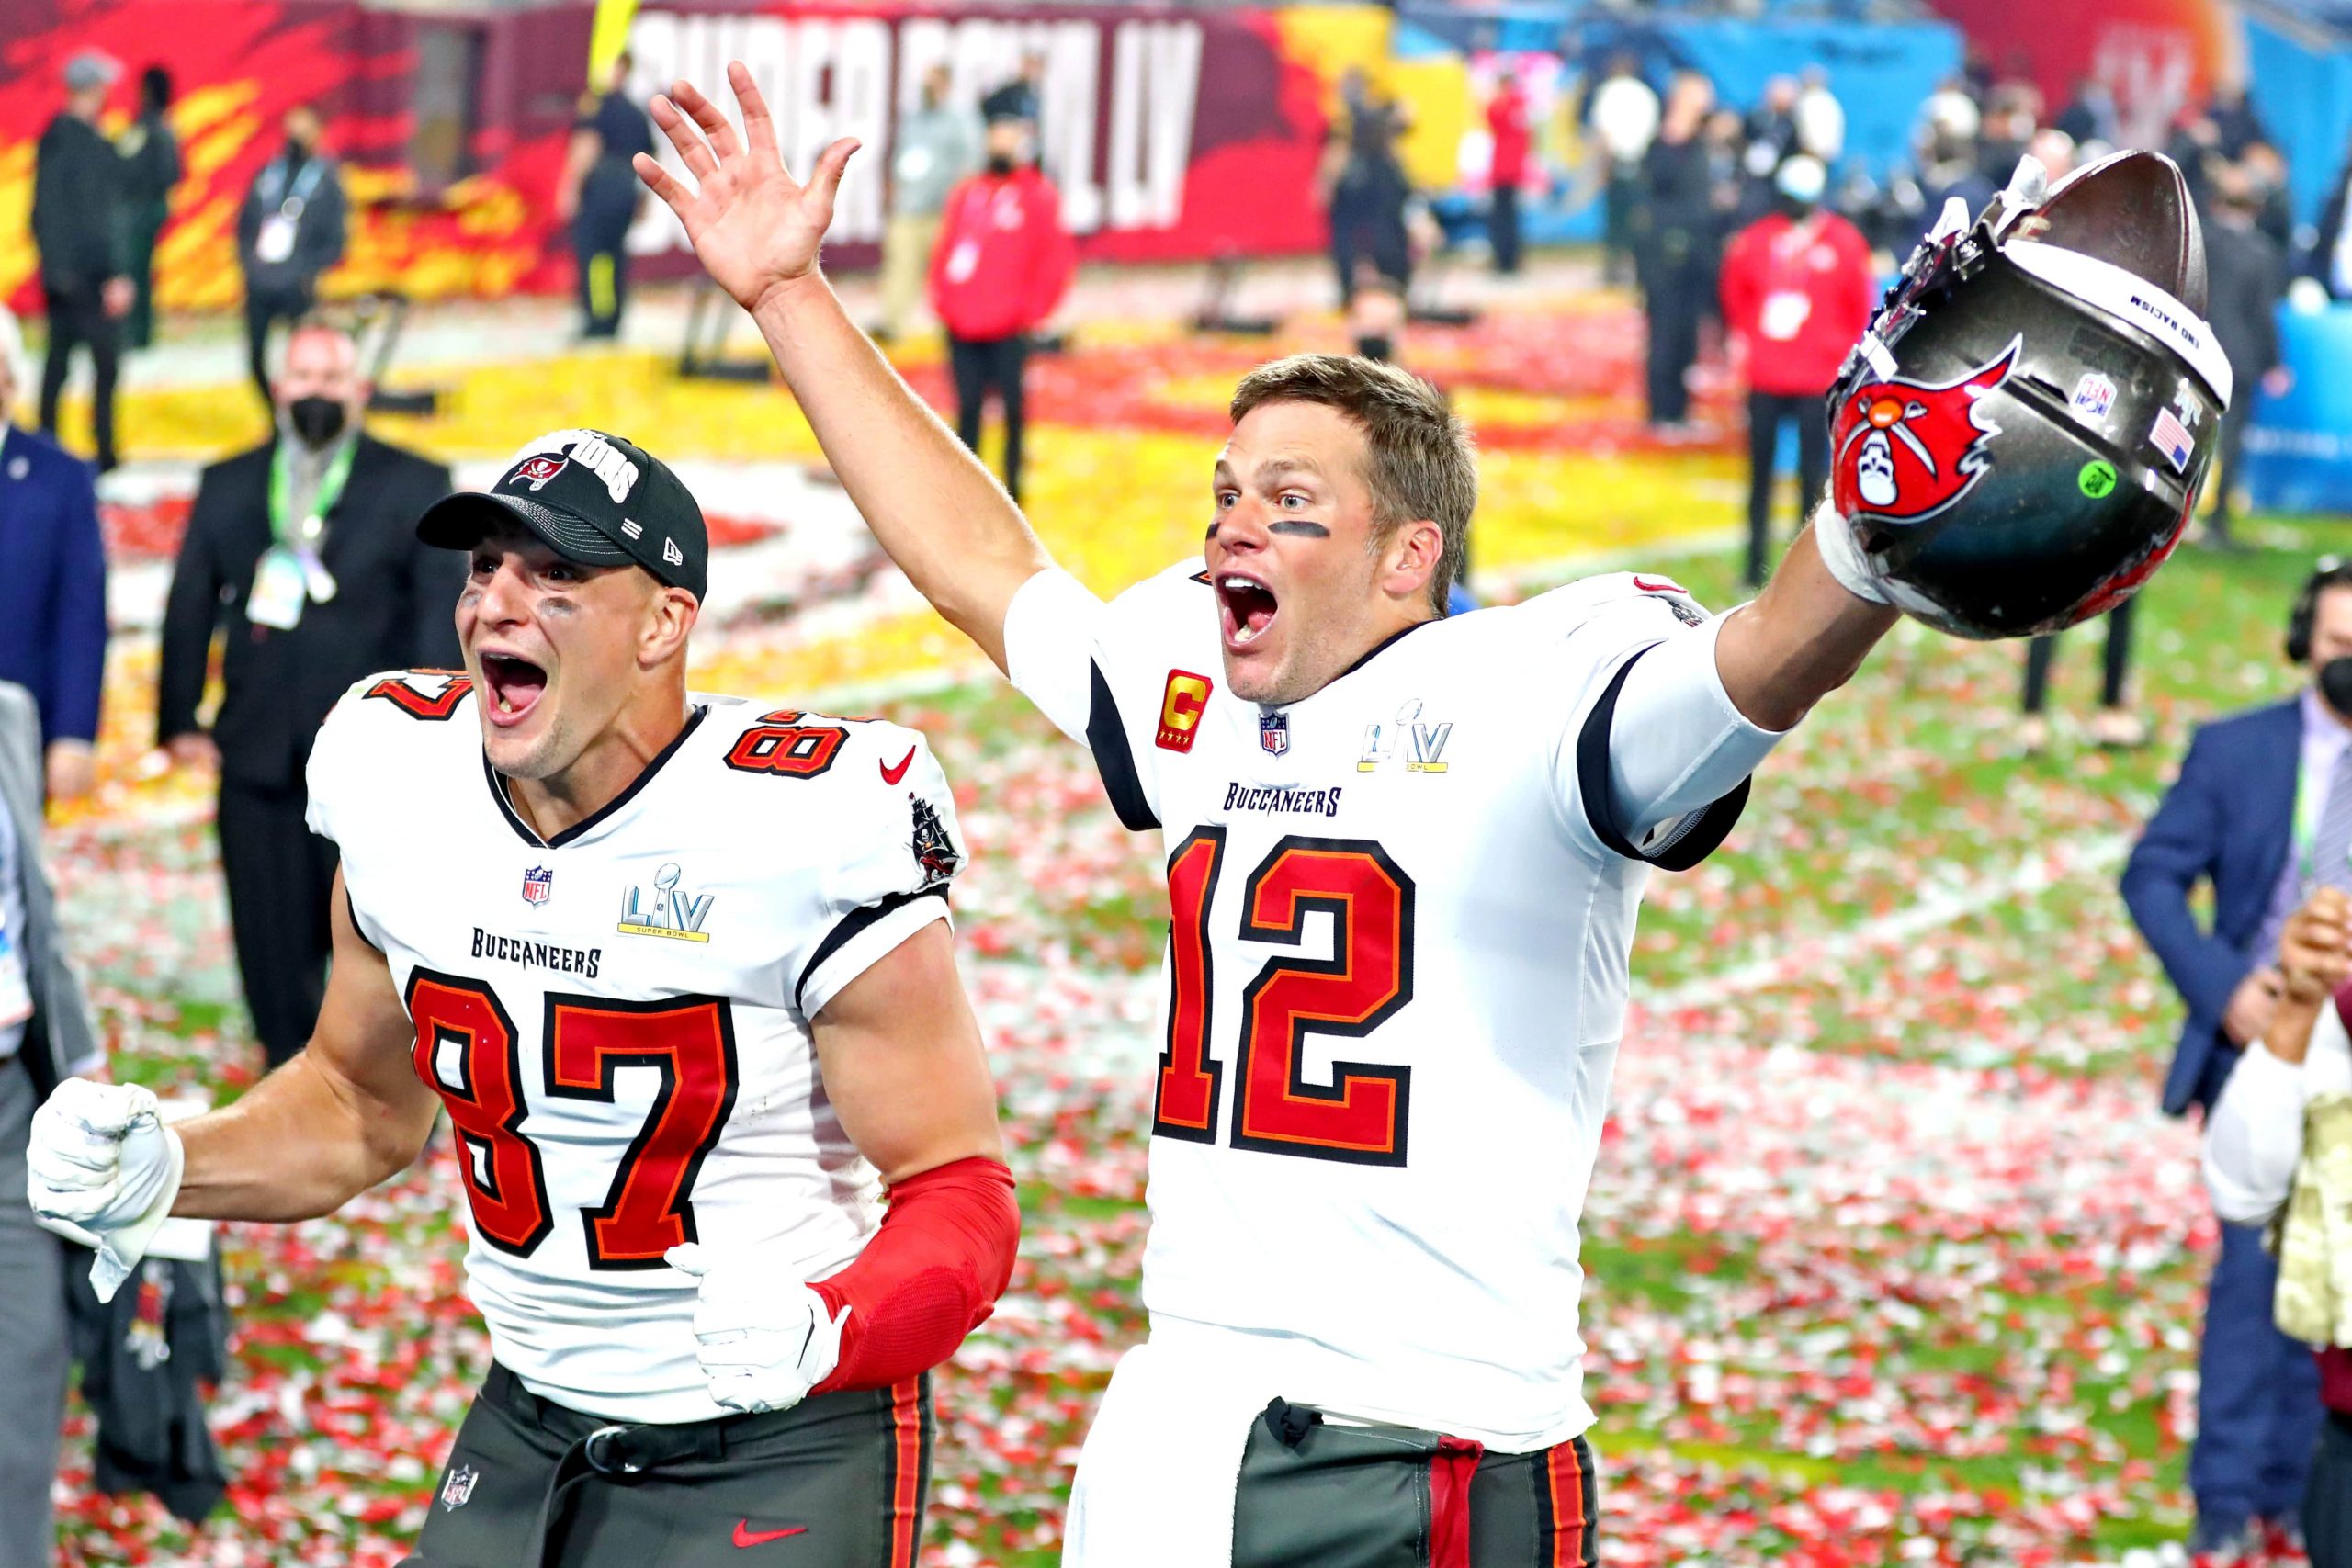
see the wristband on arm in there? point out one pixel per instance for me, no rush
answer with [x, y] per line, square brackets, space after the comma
[930, 1276]
[1835, 540]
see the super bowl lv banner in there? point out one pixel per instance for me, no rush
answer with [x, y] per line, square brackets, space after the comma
[1173, 134]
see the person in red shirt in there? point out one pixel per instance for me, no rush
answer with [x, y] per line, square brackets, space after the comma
[1002, 263]
[1507, 120]
[1797, 290]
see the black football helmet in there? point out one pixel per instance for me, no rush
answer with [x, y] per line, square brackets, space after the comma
[2019, 438]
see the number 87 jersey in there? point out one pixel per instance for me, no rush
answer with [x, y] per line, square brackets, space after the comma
[617, 1018]
[1401, 911]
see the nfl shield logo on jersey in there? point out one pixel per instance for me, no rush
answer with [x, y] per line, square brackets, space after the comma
[460, 1488]
[538, 885]
[1273, 732]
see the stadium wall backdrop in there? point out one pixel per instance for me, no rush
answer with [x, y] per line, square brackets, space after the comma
[1173, 135]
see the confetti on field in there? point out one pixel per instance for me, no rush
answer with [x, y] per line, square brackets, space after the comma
[1890, 1258]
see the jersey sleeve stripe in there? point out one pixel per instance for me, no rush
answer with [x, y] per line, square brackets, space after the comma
[1115, 759]
[849, 926]
[910, 1466]
[359, 921]
[1699, 833]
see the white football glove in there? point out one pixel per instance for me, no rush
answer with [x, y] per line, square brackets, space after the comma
[102, 1169]
[764, 1337]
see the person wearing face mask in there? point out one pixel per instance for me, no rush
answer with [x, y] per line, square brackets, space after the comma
[302, 553]
[1002, 266]
[2262, 811]
[290, 229]
[1797, 290]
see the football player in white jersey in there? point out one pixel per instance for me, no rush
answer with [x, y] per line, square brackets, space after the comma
[677, 967]
[1404, 855]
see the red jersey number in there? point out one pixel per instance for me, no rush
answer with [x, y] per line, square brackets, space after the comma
[468, 1052]
[1360, 1117]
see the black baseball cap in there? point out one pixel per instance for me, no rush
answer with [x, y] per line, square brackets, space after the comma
[592, 497]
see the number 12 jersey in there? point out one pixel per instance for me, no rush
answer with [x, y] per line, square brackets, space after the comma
[1401, 918]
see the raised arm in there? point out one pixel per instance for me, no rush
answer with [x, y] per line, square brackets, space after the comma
[1803, 638]
[936, 512]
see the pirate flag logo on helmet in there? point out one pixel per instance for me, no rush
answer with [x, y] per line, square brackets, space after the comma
[1905, 451]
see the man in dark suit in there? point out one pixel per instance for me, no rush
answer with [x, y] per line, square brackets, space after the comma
[289, 230]
[53, 585]
[304, 553]
[45, 1037]
[78, 226]
[2262, 810]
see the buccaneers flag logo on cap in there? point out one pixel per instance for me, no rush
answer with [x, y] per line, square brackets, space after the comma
[1906, 451]
[539, 470]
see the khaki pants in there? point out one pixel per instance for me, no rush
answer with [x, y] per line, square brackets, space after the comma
[906, 263]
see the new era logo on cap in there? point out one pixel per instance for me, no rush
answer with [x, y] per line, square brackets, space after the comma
[569, 489]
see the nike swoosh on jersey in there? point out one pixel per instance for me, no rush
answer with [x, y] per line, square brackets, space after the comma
[746, 1535]
[892, 775]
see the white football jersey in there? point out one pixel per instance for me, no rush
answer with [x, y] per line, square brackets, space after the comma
[617, 1018]
[1402, 914]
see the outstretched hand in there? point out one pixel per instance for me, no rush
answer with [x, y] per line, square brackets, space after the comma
[752, 226]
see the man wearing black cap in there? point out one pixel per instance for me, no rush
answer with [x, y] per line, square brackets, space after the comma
[677, 968]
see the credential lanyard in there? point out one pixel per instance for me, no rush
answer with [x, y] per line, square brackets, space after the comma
[304, 183]
[281, 496]
[302, 550]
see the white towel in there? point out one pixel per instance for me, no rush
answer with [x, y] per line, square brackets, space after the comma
[1156, 1479]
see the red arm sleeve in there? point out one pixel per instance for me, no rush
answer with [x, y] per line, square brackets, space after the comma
[931, 1275]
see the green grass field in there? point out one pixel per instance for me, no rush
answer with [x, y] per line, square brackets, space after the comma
[1890, 1256]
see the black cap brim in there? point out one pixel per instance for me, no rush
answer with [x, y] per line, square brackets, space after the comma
[459, 522]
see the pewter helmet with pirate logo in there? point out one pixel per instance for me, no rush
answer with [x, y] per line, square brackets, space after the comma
[2019, 438]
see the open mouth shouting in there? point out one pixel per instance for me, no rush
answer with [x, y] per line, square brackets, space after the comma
[512, 686]
[1246, 607]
